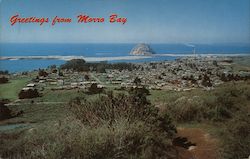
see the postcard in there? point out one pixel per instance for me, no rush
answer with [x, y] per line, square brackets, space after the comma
[125, 79]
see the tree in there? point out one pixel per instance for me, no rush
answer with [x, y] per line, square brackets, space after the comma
[5, 112]
[137, 91]
[193, 81]
[54, 71]
[30, 93]
[137, 81]
[93, 89]
[206, 81]
[100, 68]
[215, 63]
[76, 65]
[52, 67]
[86, 77]
[60, 73]
[3, 79]
[43, 73]
[4, 72]
[223, 77]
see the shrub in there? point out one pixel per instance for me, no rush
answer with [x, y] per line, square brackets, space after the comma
[5, 112]
[86, 77]
[139, 90]
[42, 72]
[93, 89]
[117, 127]
[218, 105]
[71, 139]
[54, 71]
[206, 82]
[184, 109]
[236, 137]
[30, 93]
[134, 109]
[60, 73]
[3, 79]
[137, 81]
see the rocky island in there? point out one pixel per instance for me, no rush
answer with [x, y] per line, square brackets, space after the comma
[142, 49]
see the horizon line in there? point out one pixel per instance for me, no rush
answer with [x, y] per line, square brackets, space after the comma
[183, 43]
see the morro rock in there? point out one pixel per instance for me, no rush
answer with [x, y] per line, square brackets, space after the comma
[142, 49]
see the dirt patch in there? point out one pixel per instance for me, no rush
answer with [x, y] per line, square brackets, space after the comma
[203, 145]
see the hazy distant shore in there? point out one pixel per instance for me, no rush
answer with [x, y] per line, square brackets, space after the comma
[67, 58]
[93, 59]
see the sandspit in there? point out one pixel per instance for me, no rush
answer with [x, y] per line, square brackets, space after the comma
[95, 59]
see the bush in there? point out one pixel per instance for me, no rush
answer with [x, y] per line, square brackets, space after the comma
[134, 109]
[3, 79]
[43, 73]
[206, 82]
[137, 81]
[218, 105]
[93, 89]
[138, 90]
[236, 137]
[117, 127]
[86, 77]
[5, 112]
[71, 139]
[60, 73]
[110, 108]
[185, 110]
[30, 93]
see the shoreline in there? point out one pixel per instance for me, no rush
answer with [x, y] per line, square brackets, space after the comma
[131, 57]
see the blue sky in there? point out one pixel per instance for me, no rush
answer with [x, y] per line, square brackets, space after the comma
[150, 21]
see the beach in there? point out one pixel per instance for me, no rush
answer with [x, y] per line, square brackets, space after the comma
[97, 59]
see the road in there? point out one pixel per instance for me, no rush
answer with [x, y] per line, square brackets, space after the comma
[97, 79]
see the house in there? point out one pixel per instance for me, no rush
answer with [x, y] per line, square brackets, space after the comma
[41, 81]
[60, 82]
[31, 85]
[100, 86]
[53, 83]
[26, 88]
[73, 85]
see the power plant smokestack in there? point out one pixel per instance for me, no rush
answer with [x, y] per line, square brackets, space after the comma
[192, 46]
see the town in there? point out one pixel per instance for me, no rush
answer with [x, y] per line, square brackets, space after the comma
[183, 74]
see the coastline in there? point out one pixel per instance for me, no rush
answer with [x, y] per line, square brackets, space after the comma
[96, 59]
[67, 58]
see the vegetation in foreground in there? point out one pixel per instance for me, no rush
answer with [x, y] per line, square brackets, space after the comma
[215, 106]
[113, 126]
[236, 137]
[226, 108]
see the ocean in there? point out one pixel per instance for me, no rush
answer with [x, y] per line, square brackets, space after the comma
[102, 50]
